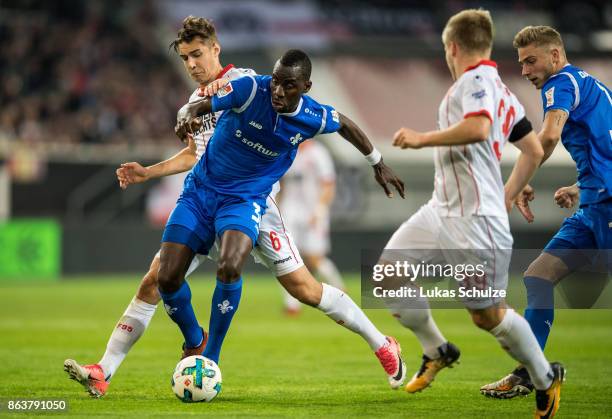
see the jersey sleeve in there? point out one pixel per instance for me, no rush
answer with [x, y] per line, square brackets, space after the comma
[330, 120]
[477, 97]
[237, 94]
[559, 93]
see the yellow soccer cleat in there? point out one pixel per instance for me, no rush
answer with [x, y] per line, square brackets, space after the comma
[449, 354]
[547, 401]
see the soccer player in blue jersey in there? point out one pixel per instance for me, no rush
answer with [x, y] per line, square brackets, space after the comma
[254, 143]
[577, 111]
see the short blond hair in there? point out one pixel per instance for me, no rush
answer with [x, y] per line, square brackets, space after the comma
[471, 29]
[538, 35]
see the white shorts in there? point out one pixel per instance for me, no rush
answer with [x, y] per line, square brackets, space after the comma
[312, 239]
[275, 248]
[430, 238]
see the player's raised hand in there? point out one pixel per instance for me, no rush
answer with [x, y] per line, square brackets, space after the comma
[522, 203]
[213, 87]
[385, 176]
[131, 173]
[567, 196]
[407, 138]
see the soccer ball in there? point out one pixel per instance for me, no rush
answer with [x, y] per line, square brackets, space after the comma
[196, 379]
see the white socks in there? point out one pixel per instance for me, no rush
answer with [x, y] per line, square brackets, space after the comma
[130, 327]
[329, 274]
[343, 310]
[419, 320]
[516, 337]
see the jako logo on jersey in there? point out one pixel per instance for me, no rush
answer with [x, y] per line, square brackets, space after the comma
[550, 96]
[225, 90]
[224, 307]
[256, 146]
[170, 310]
[255, 124]
[296, 139]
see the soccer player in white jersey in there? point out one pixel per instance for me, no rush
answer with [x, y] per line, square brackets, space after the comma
[199, 49]
[308, 190]
[469, 206]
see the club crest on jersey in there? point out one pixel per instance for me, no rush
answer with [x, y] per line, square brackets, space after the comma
[550, 96]
[295, 139]
[225, 90]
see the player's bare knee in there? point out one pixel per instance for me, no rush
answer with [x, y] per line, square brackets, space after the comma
[228, 270]
[548, 267]
[169, 279]
[147, 291]
[487, 319]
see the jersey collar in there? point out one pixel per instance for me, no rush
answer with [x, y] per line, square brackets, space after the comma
[225, 70]
[295, 112]
[481, 62]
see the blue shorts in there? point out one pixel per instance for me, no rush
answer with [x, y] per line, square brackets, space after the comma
[585, 238]
[201, 214]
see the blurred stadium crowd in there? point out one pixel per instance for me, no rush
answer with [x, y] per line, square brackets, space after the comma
[87, 72]
[75, 71]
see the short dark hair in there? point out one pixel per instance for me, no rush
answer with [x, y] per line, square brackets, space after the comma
[195, 27]
[297, 58]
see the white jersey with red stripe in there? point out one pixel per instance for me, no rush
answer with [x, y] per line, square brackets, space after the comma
[468, 178]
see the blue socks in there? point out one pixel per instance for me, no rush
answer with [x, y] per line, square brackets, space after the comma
[179, 308]
[224, 304]
[540, 311]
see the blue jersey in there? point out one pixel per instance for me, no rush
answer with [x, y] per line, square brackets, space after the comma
[253, 145]
[587, 134]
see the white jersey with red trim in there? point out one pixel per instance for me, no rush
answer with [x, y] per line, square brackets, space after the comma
[302, 183]
[209, 121]
[468, 178]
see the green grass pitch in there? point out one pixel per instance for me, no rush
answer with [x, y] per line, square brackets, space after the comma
[275, 366]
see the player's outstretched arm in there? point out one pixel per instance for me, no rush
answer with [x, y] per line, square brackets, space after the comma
[383, 174]
[133, 172]
[549, 136]
[467, 131]
[524, 169]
